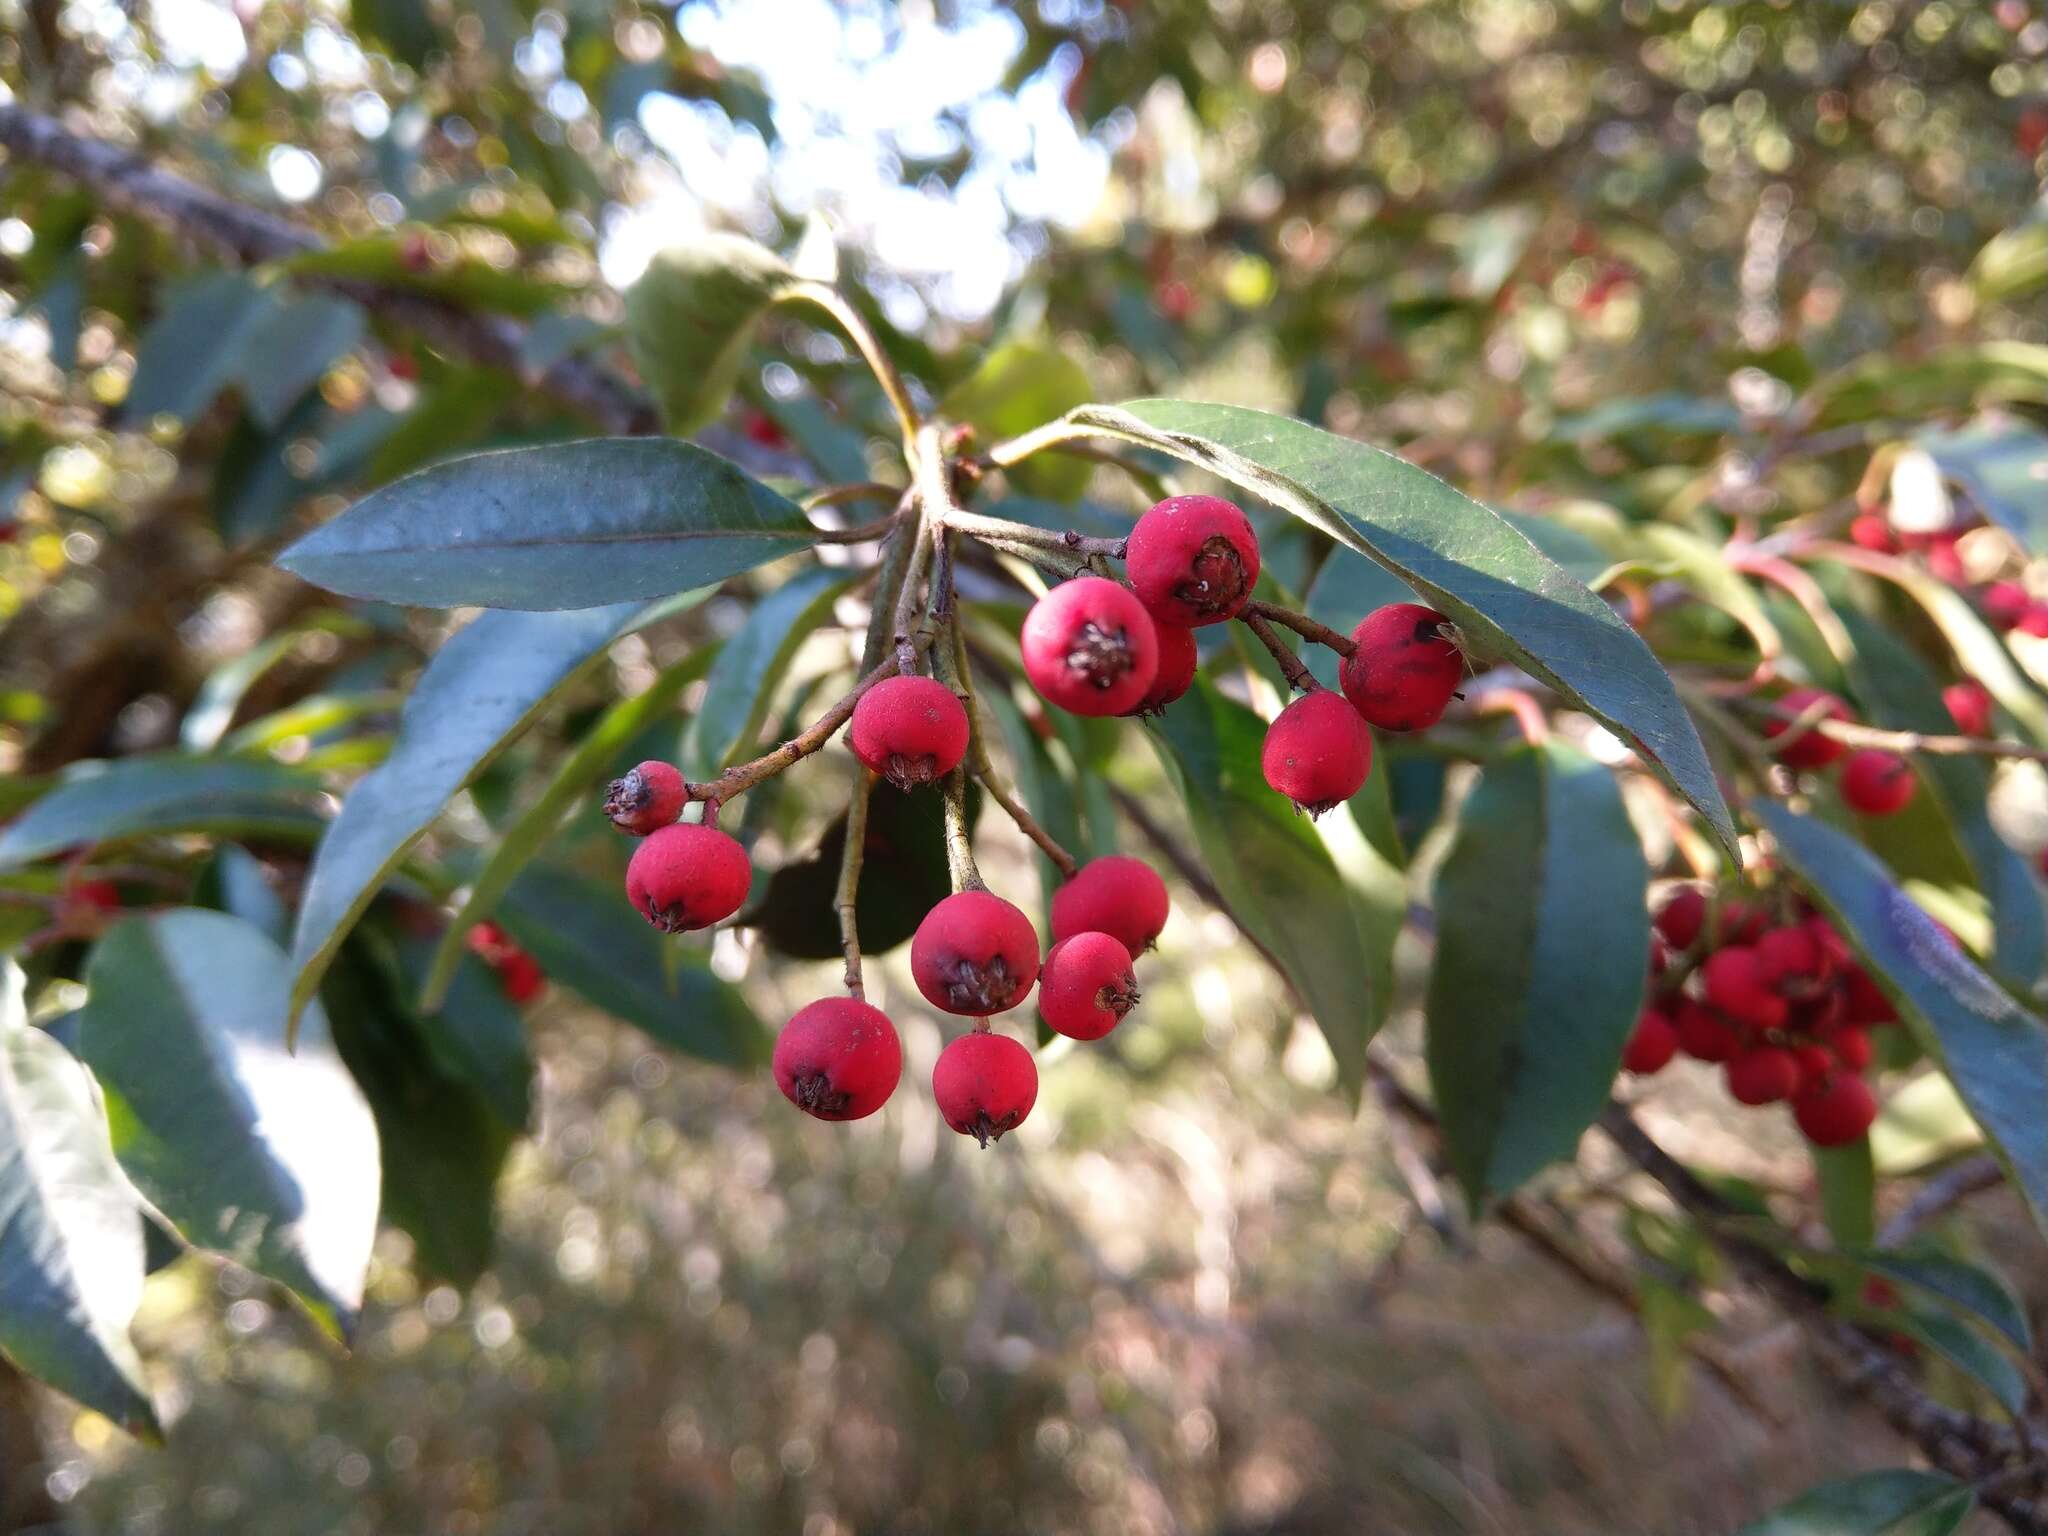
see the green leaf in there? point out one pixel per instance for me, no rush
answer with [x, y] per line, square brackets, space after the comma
[1885, 385]
[136, 796]
[192, 350]
[1691, 560]
[2013, 263]
[691, 316]
[566, 525]
[71, 1254]
[1995, 1051]
[1543, 941]
[1965, 1349]
[477, 1036]
[1510, 601]
[269, 1158]
[289, 346]
[485, 686]
[1848, 1192]
[741, 685]
[1965, 1286]
[213, 711]
[1018, 386]
[233, 882]
[2002, 461]
[1897, 1503]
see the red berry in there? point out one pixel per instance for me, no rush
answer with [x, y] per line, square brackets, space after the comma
[1115, 895]
[1837, 1113]
[521, 976]
[100, 895]
[985, 1085]
[1734, 982]
[1872, 532]
[1177, 663]
[488, 942]
[1651, 1044]
[1086, 986]
[1944, 560]
[1090, 647]
[761, 428]
[1741, 922]
[1790, 960]
[838, 1059]
[2034, 621]
[1703, 1034]
[1317, 752]
[1866, 1002]
[1193, 559]
[1405, 669]
[1763, 1074]
[1878, 783]
[1969, 705]
[974, 954]
[1810, 749]
[1682, 916]
[650, 796]
[1850, 1045]
[1816, 1065]
[687, 875]
[2004, 603]
[910, 730]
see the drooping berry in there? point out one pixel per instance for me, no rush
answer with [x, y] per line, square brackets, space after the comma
[2004, 603]
[1405, 669]
[1878, 783]
[1086, 986]
[648, 797]
[1703, 1034]
[1090, 647]
[1810, 749]
[1969, 705]
[687, 875]
[974, 954]
[838, 1059]
[1837, 1113]
[1176, 675]
[1651, 1044]
[1682, 916]
[1116, 895]
[910, 730]
[1763, 1074]
[1735, 983]
[985, 1085]
[1317, 751]
[1193, 560]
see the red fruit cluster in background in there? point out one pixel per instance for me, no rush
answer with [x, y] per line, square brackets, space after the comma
[1780, 1003]
[2004, 604]
[518, 972]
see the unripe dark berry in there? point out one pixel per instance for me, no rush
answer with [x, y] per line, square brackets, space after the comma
[1405, 670]
[1090, 647]
[1837, 1113]
[1651, 1044]
[1703, 1034]
[910, 730]
[974, 954]
[1969, 705]
[1811, 749]
[985, 1085]
[1115, 895]
[1176, 674]
[1086, 986]
[1193, 560]
[1878, 783]
[1734, 982]
[1763, 1074]
[648, 797]
[687, 876]
[1317, 752]
[1682, 916]
[838, 1059]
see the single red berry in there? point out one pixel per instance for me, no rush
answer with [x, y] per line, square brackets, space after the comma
[649, 796]
[1850, 1045]
[488, 942]
[1763, 1074]
[910, 730]
[1405, 669]
[1837, 1113]
[687, 875]
[838, 1059]
[1969, 705]
[1790, 960]
[974, 954]
[1176, 675]
[2004, 603]
[1119, 896]
[1682, 916]
[1086, 986]
[99, 895]
[521, 976]
[2034, 621]
[1944, 560]
[985, 1084]
[1193, 559]
[1816, 1065]
[1878, 783]
[762, 428]
[1703, 1034]
[1317, 752]
[1090, 647]
[1810, 749]
[1734, 982]
[1866, 1002]
[1651, 1044]
[1870, 531]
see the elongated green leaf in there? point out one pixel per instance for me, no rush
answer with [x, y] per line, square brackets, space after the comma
[136, 796]
[2002, 462]
[1543, 939]
[566, 525]
[191, 352]
[1511, 601]
[1015, 387]
[1848, 1192]
[207, 721]
[71, 1258]
[1994, 1050]
[484, 686]
[289, 347]
[690, 317]
[1899, 1503]
[269, 1158]
[1965, 1349]
[2014, 262]
[1962, 1285]
[1699, 565]
[741, 684]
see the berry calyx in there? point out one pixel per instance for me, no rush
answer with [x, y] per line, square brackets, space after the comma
[1406, 668]
[1878, 783]
[1116, 895]
[1193, 560]
[687, 875]
[1086, 986]
[1317, 752]
[838, 1059]
[1763, 1074]
[985, 1085]
[1177, 662]
[648, 797]
[974, 954]
[1090, 647]
[1810, 749]
[1651, 1044]
[1969, 705]
[910, 730]
[1682, 916]
[1837, 1113]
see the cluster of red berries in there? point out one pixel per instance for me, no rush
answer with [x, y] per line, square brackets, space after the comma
[2005, 604]
[519, 974]
[1873, 782]
[1782, 1006]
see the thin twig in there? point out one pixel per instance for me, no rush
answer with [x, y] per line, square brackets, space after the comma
[1815, 719]
[1029, 825]
[1298, 675]
[741, 777]
[846, 899]
[980, 526]
[960, 863]
[1303, 626]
